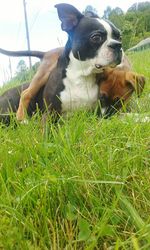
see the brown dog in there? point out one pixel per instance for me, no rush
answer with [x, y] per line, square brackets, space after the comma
[116, 87]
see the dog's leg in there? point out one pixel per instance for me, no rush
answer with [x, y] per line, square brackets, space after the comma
[26, 96]
[38, 81]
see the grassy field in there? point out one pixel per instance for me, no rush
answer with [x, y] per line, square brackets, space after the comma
[85, 184]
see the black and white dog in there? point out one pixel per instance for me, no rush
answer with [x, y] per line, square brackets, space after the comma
[93, 44]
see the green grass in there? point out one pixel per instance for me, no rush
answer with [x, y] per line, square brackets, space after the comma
[85, 184]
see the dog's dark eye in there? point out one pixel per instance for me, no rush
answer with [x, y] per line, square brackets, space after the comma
[96, 38]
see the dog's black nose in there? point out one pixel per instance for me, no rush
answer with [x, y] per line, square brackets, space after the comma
[104, 100]
[116, 45]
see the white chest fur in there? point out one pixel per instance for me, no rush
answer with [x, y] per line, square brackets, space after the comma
[80, 90]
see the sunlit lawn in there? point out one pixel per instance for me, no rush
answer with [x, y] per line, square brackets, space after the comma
[85, 184]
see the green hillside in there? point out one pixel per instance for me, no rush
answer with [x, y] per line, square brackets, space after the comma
[84, 184]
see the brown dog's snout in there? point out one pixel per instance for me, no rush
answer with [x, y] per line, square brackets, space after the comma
[109, 106]
[104, 99]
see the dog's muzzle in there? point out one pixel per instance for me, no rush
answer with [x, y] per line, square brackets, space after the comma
[108, 107]
[116, 47]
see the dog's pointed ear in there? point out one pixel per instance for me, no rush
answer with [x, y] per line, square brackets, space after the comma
[69, 16]
[136, 82]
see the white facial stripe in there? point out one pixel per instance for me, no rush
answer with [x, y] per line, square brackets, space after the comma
[105, 55]
[107, 28]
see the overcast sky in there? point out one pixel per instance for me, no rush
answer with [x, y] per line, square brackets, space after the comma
[44, 26]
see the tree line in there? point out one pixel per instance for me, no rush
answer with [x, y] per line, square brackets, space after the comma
[134, 24]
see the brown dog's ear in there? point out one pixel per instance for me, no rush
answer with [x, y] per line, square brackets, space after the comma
[136, 82]
[68, 15]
